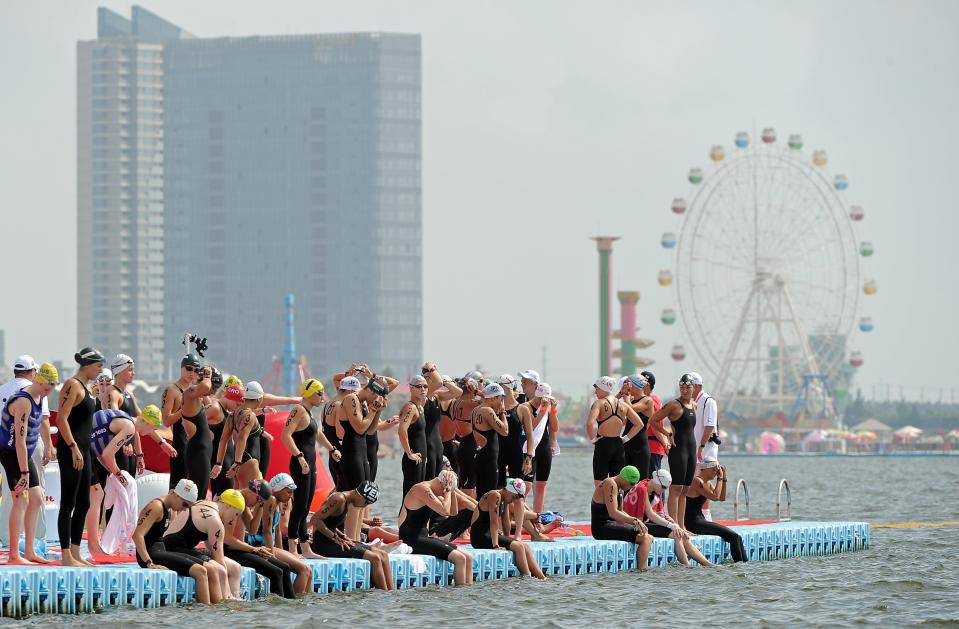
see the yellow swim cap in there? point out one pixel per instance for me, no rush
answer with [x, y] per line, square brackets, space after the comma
[47, 374]
[231, 380]
[233, 498]
[311, 387]
[151, 415]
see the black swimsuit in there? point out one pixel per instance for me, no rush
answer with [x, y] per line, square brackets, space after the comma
[153, 540]
[486, 461]
[433, 412]
[305, 441]
[221, 483]
[413, 532]
[465, 455]
[323, 545]
[179, 441]
[75, 484]
[201, 450]
[608, 454]
[185, 540]
[605, 527]
[637, 448]
[330, 432]
[511, 448]
[682, 456]
[353, 464]
[480, 536]
[416, 435]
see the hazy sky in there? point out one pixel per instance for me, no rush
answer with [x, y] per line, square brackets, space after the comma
[547, 122]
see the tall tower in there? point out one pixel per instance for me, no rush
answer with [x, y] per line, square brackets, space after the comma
[627, 331]
[120, 274]
[604, 245]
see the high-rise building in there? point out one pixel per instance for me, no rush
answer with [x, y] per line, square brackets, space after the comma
[286, 165]
[120, 188]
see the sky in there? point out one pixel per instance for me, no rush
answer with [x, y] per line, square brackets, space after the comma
[547, 122]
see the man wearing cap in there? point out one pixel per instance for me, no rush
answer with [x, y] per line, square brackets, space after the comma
[706, 416]
[250, 541]
[172, 406]
[490, 520]
[152, 553]
[24, 373]
[20, 422]
[330, 539]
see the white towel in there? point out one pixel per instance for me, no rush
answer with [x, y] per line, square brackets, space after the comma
[539, 428]
[123, 521]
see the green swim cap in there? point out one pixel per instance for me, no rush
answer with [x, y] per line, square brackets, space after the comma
[630, 474]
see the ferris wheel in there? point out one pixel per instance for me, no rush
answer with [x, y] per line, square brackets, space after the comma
[768, 277]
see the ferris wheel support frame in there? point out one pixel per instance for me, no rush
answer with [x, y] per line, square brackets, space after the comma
[772, 289]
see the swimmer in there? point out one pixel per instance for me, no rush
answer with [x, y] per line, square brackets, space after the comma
[489, 423]
[681, 413]
[74, 418]
[486, 530]
[439, 496]
[200, 442]
[461, 410]
[20, 423]
[206, 521]
[219, 417]
[120, 396]
[330, 539]
[609, 521]
[246, 434]
[255, 549]
[605, 423]
[648, 505]
[300, 435]
[412, 434]
[283, 489]
[152, 552]
[172, 406]
[542, 407]
[710, 484]
[636, 442]
[440, 391]
[513, 461]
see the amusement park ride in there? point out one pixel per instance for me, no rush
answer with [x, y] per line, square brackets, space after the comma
[767, 275]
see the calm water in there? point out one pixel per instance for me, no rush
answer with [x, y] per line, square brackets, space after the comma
[908, 577]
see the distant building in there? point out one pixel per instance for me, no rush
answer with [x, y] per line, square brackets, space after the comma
[282, 165]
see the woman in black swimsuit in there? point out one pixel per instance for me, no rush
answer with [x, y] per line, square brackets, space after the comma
[329, 539]
[200, 444]
[300, 434]
[486, 531]
[412, 434]
[152, 552]
[74, 421]
[681, 413]
[434, 496]
[710, 484]
[636, 442]
[489, 423]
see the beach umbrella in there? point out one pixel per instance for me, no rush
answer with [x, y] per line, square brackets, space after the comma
[771, 443]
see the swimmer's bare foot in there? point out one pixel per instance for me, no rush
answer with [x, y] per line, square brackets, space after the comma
[35, 558]
[18, 560]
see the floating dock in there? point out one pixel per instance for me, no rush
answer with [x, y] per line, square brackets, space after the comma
[27, 590]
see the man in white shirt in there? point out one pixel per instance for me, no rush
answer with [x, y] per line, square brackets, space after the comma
[24, 373]
[706, 414]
